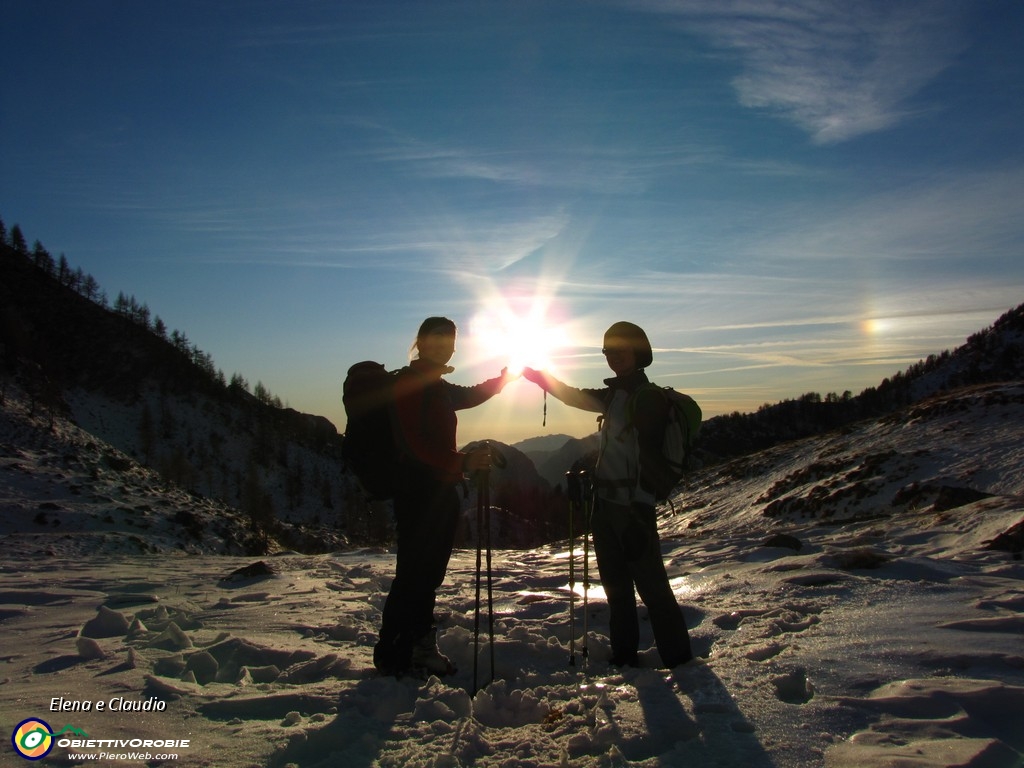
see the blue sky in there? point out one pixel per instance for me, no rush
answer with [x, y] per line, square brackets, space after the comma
[789, 197]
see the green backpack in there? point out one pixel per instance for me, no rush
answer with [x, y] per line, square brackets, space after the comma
[684, 418]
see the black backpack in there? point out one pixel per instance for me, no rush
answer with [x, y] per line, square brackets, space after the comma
[369, 447]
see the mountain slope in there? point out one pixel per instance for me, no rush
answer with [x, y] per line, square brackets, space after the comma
[159, 401]
[65, 492]
[950, 451]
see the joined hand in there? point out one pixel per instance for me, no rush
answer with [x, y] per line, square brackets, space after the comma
[537, 377]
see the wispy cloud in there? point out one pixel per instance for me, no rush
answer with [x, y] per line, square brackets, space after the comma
[577, 168]
[456, 247]
[953, 218]
[837, 69]
[542, 163]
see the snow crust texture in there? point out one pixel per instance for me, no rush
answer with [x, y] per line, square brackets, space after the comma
[855, 599]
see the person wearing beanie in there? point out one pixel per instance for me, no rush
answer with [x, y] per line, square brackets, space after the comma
[630, 466]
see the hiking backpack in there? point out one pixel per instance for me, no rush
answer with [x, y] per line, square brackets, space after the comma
[369, 447]
[684, 417]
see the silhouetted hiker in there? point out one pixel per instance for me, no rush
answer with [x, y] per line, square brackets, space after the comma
[426, 499]
[624, 524]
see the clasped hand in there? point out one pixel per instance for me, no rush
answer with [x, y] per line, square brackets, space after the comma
[508, 376]
[537, 377]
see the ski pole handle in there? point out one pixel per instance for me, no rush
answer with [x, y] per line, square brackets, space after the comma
[497, 458]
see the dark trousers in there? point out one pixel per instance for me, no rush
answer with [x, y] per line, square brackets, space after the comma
[426, 515]
[629, 555]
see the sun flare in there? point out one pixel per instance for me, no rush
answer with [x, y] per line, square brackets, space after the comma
[521, 325]
[523, 339]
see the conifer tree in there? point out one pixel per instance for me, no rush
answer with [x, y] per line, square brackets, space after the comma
[18, 241]
[42, 258]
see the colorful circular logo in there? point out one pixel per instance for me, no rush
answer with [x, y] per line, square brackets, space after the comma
[32, 739]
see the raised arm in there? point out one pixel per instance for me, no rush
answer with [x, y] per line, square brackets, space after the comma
[470, 397]
[584, 399]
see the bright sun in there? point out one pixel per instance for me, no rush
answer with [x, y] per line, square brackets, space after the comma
[524, 337]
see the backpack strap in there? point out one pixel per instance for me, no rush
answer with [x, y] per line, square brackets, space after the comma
[635, 395]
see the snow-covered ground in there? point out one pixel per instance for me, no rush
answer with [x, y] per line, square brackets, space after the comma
[893, 636]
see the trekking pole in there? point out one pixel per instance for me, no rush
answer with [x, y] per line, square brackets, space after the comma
[572, 491]
[476, 613]
[483, 538]
[485, 535]
[490, 579]
[587, 504]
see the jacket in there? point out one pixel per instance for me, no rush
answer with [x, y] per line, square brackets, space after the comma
[633, 419]
[425, 409]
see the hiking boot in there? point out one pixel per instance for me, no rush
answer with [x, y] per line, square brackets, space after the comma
[384, 658]
[625, 660]
[677, 661]
[426, 656]
[390, 657]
